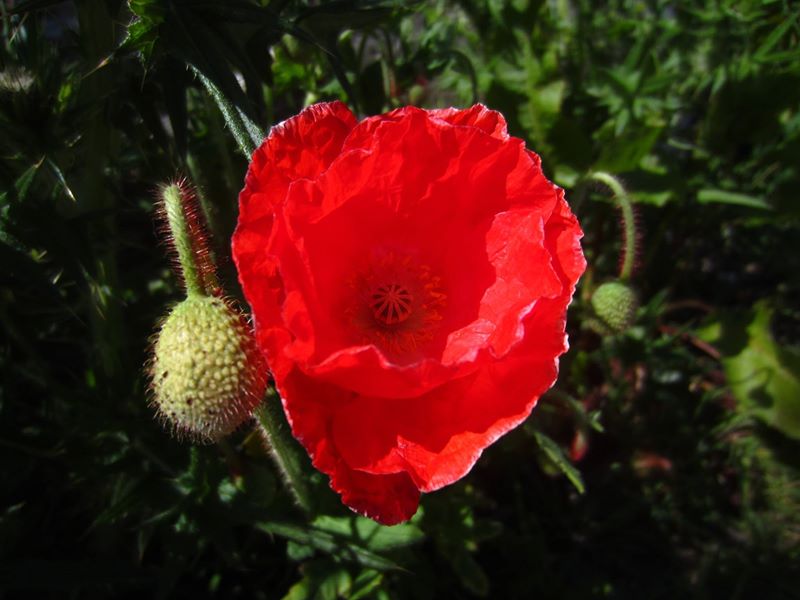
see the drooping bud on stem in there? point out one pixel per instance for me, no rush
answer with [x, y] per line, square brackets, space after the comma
[615, 302]
[207, 375]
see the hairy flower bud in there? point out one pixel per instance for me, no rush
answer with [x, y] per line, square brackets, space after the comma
[207, 375]
[615, 304]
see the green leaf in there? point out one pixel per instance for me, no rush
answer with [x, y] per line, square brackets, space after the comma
[321, 581]
[708, 196]
[141, 37]
[539, 113]
[24, 181]
[774, 38]
[547, 99]
[61, 179]
[298, 552]
[246, 133]
[763, 376]
[623, 80]
[624, 152]
[151, 10]
[330, 544]
[366, 582]
[658, 199]
[370, 534]
[554, 453]
[195, 41]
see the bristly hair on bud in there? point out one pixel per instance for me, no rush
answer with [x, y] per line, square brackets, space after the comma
[206, 374]
[182, 227]
[615, 303]
[629, 224]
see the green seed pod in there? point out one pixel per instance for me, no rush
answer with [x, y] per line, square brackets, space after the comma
[615, 304]
[207, 375]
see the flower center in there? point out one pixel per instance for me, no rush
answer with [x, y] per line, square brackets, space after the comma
[391, 303]
[397, 303]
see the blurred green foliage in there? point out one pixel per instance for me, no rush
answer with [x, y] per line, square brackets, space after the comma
[663, 465]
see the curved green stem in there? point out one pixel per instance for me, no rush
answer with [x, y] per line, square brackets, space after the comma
[173, 207]
[628, 222]
[284, 449]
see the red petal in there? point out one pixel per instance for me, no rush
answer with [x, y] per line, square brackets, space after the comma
[489, 121]
[436, 438]
[449, 187]
[459, 178]
[564, 235]
[309, 403]
[302, 146]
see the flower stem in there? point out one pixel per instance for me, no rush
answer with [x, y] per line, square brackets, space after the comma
[173, 207]
[284, 449]
[628, 222]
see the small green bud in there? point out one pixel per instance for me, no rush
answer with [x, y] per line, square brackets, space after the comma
[615, 304]
[207, 375]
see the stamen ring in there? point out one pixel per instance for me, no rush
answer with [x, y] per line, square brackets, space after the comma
[391, 303]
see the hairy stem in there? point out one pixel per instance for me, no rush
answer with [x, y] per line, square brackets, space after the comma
[628, 222]
[173, 207]
[285, 450]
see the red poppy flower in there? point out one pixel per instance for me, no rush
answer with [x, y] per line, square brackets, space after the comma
[409, 277]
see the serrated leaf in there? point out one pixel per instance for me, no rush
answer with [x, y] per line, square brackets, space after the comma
[151, 10]
[763, 376]
[140, 37]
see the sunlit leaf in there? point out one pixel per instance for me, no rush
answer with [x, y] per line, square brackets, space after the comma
[372, 535]
[764, 376]
[321, 581]
[330, 544]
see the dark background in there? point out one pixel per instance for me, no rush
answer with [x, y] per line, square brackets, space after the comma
[663, 465]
